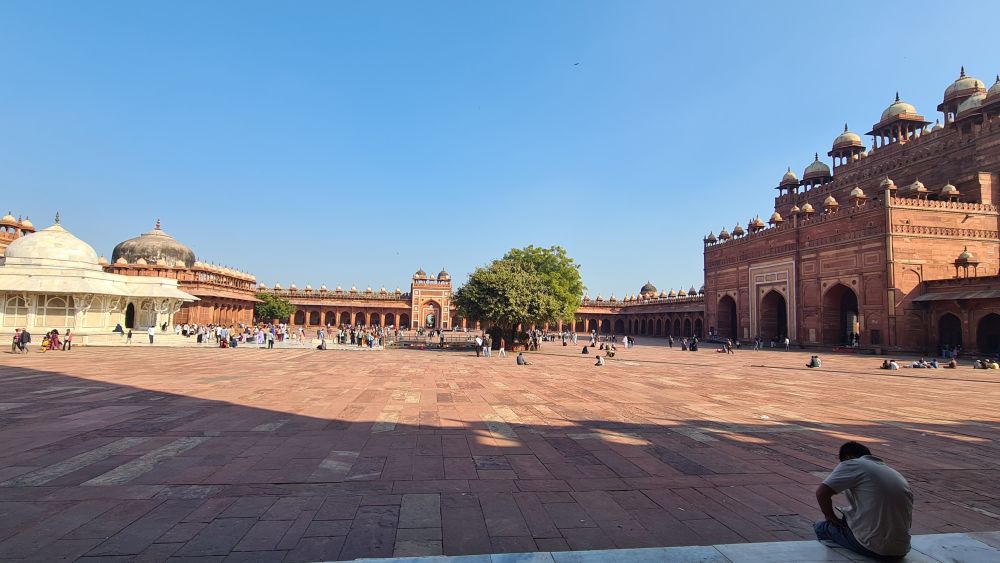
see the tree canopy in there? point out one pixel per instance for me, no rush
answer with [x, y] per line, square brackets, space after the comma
[272, 307]
[559, 273]
[527, 286]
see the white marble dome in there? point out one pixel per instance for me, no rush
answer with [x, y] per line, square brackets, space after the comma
[52, 247]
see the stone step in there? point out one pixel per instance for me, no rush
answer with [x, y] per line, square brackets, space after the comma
[929, 548]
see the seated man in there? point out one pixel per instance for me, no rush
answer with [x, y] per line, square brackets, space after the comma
[952, 364]
[885, 364]
[585, 350]
[600, 361]
[814, 362]
[877, 524]
[893, 364]
[521, 361]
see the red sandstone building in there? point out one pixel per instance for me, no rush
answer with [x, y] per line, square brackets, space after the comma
[896, 246]
[225, 296]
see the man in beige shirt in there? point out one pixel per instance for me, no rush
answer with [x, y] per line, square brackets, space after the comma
[877, 522]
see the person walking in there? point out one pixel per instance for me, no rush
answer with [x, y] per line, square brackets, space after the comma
[502, 353]
[270, 340]
[68, 341]
[25, 341]
[787, 343]
[151, 332]
[128, 337]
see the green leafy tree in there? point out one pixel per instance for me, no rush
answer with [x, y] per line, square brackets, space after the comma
[272, 307]
[560, 276]
[527, 286]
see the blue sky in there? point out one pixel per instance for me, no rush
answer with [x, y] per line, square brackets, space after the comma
[351, 143]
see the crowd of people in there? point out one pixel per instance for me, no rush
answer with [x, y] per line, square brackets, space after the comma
[52, 340]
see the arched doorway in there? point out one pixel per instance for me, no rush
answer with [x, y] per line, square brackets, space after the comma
[677, 328]
[130, 316]
[359, 318]
[773, 317]
[840, 315]
[697, 328]
[345, 318]
[580, 327]
[988, 334]
[300, 317]
[619, 326]
[949, 331]
[376, 320]
[314, 318]
[390, 319]
[430, 315]
[726, 313]
[331, 318]
[642, 324]
[687, 327]
[404, 321]
[659, 327]
[605, 326]
[592, 325]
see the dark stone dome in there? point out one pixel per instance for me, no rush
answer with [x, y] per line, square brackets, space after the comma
[648, 289]
[153, 246]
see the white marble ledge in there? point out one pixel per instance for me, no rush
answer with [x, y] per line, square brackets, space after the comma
[972, 547]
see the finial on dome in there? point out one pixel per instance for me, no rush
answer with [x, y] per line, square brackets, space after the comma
[817, 157]
[789, 168]
[157, 224]
[57, 217]
[961, 73]
[845, 127]
[897, 95]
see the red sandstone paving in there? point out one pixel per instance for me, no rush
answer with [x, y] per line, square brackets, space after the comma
[298, 455]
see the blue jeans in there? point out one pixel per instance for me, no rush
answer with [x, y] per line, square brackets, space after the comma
[843, 537]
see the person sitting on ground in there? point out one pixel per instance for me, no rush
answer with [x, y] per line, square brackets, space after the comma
[600, 361]
[993, 364]
[877, 522]
[921, 363]
[585, 350]
[814, 362]
[885, 364]
[721, 350]
[952, 364]
[893, 364]
[610, 353]
[521, 361]
[933, 363]
[601, 346]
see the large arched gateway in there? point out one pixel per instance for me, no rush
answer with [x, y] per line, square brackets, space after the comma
[949, 332]
[840, 315]
[727, 318]
[988, 334]
[773, 316]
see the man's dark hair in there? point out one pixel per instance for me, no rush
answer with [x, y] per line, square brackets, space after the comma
[853, 449]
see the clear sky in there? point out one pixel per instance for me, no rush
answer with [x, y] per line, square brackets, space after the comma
[354, 142]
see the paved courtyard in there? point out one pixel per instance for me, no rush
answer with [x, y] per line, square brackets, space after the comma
[149, 454]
